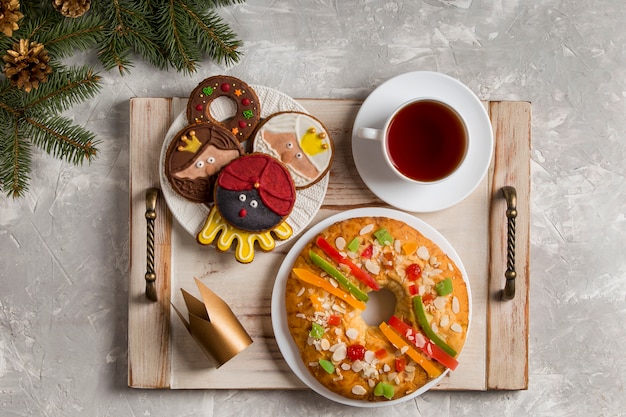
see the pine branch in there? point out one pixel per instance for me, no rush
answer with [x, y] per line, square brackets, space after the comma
[39, 23]
[181, 51]
[63, 90]
[165, 33]
[15, 162]
[11, 102]
[214, 36]
[128, 28]
[59, 137]
[116, 54]
[204, 4]
[66, 36]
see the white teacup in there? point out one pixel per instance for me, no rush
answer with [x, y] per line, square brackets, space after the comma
[424, 141]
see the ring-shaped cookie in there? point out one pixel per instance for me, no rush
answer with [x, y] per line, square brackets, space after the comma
[248, 110]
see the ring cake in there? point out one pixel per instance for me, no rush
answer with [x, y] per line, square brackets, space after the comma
[330, 285]
[254, 194]
[300, 141]
[194, 158]
[245, 100]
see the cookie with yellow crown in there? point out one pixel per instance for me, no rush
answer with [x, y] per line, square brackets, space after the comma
[195, 156]
[298, 140]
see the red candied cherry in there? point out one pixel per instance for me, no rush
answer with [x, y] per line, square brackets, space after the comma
[334, 320]
[245, 101]
[413, 272]
[356, 352]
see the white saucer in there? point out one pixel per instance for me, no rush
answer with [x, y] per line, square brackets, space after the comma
[192, 216]
[403, 194]
[280, 326]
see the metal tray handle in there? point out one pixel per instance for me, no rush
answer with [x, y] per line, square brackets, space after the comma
[510, 194]
[151, 200]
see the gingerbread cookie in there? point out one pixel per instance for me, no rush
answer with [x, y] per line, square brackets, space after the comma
[194, 157]
[254, 195]
[300, 141]
[248, 109]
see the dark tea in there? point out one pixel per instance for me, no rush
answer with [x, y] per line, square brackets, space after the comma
[426, 140]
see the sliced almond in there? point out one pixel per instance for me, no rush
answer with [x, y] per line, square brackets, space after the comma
[358, 390]
[366, 229]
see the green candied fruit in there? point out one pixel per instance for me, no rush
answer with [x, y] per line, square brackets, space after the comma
[383, 237]
[353, 245]
[317, 331]
[444, 287]
[384, 389]
[327, 366]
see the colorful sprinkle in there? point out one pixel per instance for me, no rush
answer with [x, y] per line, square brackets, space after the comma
[238, 92]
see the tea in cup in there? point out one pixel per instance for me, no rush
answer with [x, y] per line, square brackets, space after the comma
[424, 141]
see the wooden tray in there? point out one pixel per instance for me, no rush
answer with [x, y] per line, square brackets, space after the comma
[163, 355]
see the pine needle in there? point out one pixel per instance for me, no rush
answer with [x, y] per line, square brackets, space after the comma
[63, 90]
[15, 162]
[60, 138]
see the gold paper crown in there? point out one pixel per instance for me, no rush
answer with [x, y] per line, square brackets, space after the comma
[190, 145]
[213, 325]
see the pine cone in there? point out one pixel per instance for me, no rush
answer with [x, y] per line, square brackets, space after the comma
[9, 16]
[27, 65]
[72, 8]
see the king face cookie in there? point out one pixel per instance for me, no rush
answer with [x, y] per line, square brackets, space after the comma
[300, 141]
[195, 157]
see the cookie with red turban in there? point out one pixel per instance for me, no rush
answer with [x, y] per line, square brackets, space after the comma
[255, 193]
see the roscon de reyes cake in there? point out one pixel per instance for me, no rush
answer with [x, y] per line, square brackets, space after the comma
[329, 286]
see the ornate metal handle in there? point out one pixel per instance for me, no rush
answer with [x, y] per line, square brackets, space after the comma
[508, 293]
[151, 199]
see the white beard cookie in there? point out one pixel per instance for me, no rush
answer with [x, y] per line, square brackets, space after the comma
[299, 141]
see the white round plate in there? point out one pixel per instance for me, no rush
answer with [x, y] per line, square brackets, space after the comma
[285, 342]
[192, 216]
[416, 197]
